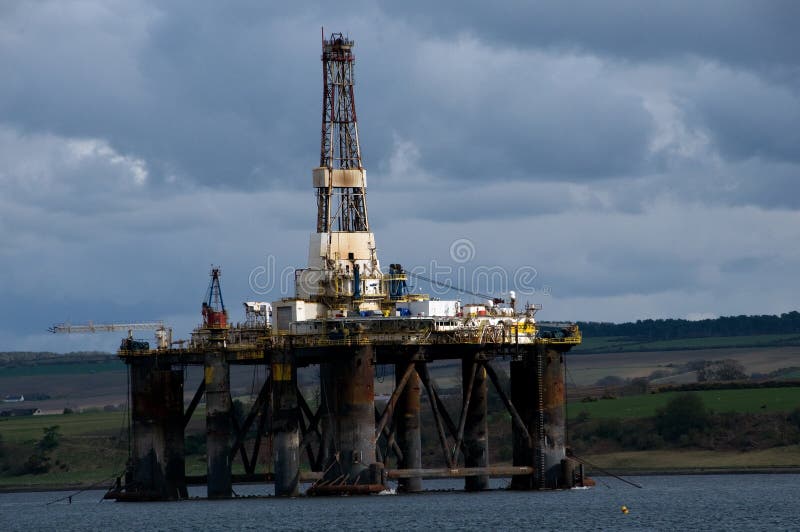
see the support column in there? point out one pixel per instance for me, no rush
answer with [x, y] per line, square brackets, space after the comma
[407, 427]
[348, 391]
[157, 461]
[218, 424]
[525, 392]
[285, 428]
[555, 418]
[327, 419]
[476, 439]
[537, 391]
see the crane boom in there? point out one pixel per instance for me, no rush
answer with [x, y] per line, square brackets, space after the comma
[163, 334]
[106, 327]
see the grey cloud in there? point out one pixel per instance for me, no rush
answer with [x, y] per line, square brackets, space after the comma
[746, 117]
[614, 271]
[743, 265]
[756, 34]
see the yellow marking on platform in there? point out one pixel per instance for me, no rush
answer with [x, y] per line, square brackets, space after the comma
[281, 372]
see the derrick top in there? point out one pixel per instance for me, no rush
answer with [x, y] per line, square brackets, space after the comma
[337, 48]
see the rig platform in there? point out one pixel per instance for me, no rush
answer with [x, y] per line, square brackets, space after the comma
[347, 317]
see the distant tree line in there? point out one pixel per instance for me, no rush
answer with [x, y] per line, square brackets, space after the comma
[673, 329]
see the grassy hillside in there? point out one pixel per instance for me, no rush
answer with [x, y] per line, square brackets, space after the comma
[787, 456]
[742, 401]
[586, 369]
[91, 447]
[622, 344]
[20, 430]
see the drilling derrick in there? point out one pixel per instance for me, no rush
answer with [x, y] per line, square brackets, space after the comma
[340, 149]
[343, 272]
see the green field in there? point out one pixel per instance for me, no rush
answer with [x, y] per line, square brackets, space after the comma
[92, 447]
[29, 428]
[615, 344]
[746, 401]
[632, 461]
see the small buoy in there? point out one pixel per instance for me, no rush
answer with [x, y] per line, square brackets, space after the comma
[624, 509]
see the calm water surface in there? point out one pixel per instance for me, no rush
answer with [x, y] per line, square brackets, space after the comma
[724, 502]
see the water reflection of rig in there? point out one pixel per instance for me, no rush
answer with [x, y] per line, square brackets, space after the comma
[347, 316]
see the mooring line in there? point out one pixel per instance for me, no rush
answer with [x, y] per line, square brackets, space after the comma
[91, 486]
[581, 460]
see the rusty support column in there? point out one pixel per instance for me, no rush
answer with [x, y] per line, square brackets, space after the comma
[555, 418]
[537, 391]
[327, 416]
[158, 463]
[407, 425]
[218, 424]
[525, 391]
[476, 438]
[348, 395]
[285, 425]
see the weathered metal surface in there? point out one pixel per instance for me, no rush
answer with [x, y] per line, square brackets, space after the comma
[285, 426]
[459, 472]
[347, 421]
[158, 462]
[218, 424]
[348, 396]
[252, 478]
[345, 489]
[525, 389]
[554, 441]
[537, 391]
[476, 431]
[407, 429]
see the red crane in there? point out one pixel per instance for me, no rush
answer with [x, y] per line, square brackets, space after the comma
[214, 314]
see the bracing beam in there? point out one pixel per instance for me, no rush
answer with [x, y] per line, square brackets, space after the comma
[464, 406]
[426, 381]
[387, 413]
[241, 434]
[239, 430]
[507, 402]
[198, 395]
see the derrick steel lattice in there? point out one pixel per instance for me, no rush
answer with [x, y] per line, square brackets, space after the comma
[340, 208]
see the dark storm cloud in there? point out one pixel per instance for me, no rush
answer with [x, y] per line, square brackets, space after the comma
[204, 95]
[226, 96]
[747, 117]
[743, 32]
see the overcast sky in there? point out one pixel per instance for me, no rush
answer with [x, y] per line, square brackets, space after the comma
[610, 160]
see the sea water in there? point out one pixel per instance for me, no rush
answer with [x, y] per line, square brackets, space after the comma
[711, 502]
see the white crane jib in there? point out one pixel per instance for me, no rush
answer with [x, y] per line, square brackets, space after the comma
[163, 334]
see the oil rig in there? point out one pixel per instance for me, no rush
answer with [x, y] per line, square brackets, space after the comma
[347, 317]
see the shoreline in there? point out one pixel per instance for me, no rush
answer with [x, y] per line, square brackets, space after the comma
[689, 471]
[608, 472]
